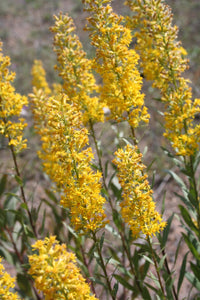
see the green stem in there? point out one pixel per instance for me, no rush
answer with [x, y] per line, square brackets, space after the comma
[22, 189]
[100, 163]
[127, 250]
[103, 265]
[194, 186]
[170, 273]
[156, 268]
[90, 282]
[112, 207]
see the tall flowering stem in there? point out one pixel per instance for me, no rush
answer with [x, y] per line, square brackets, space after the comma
[11, 124]
[116, 63]
[11, 104]
[163, 62]
[76, 70]
[137, 207]
[65, 151]
[55, 272]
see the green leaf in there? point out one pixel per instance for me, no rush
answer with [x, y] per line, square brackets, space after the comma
[124, 282]
[51, 196]
[193, 198]
[174, 158]
[112, 231]
[135, 260]
[42, 227]
[3, 184]
[116, 188]
[182, 272]
[145, 293]
[150, 165]
[158, 292]
[163, 203]
[193, 280]
[102, 240]
[71, 230]
[188, 220]
[24, 206]
[19, 180]
[195, 270]
[177, 249]
[148, 259]
[163, 237]
[162, 261]
[186, 201]
[197, 161]
[28, 231]
[117, 219]
[24, 284]
[106, 169]
[3, 218]
[144, 269]
[193, 244]
[115, 289]
[178, 180]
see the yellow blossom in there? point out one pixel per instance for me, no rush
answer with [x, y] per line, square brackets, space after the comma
[116, 63]
[11, 104]
[6, 283]
[55, 272]
[39, 77]
[163, 62]
[137, 206]
[76, 70]
[67, 159]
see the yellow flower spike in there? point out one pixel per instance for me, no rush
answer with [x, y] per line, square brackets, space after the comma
[6, 283]
[163, 61]
[39, 77]
[55, 272]
[76, 70]
[116, 63]
[65, 151]
[11, 104]
[137, 206]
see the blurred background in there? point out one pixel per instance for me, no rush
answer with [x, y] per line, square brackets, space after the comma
[24, 30]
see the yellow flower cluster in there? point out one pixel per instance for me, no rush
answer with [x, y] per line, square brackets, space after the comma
[163, 62]
[67, 159]
[116, 63]
[39, 77]
[76, 70]
[6, 283]
[137, 206]
[55, 272]
[11, 104]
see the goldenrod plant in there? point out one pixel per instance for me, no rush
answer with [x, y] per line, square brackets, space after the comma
[96, 232]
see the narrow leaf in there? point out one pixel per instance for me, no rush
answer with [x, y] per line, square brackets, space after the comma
[182, 272]
[124, 282]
